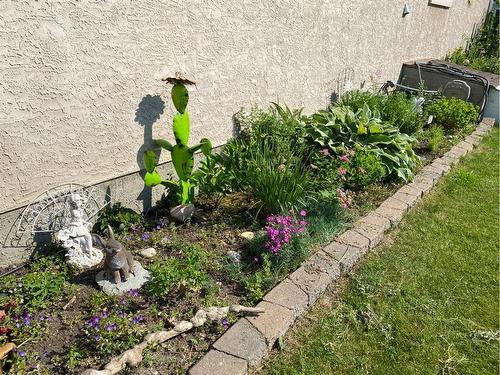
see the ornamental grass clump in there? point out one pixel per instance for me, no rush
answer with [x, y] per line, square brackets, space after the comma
[281, 230]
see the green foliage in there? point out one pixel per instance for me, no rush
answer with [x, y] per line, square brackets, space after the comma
[260, 281]
[364, 168]
[340, 129]
[398, 108]
[453, 114]
[120, 218]
[267, 159]
[482, 50]
[182, 154]
[433, 137]
[41, 285]
[74, 356]
[185, 273]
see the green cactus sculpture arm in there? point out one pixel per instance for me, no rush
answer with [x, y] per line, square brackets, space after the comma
[182, 154]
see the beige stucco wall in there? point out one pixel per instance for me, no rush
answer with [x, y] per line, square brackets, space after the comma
[73, 73]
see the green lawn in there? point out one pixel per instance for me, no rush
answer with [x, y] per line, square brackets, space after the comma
[426, 303]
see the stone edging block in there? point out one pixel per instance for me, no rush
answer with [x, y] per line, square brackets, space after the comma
[247, 342]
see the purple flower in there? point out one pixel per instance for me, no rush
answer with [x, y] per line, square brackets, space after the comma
[134, 293]
[137, 319]
[21, 353]
[121, 314]
[93, 322]
[225, 323]
[97, 337]
[17, 325]
[145, 236]
[111, 327]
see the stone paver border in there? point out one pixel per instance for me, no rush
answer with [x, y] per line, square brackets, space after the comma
[249, 340]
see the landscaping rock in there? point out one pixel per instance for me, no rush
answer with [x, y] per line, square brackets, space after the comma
[442, 166]
[150, 252]
[347, 256]
[288, 295]
[374, 234]
[108, 286]
[394, 215]
[408, 199]
[312, 281]
[412, 189]
[353, 238]
[396, 204]
[244, 341]
[374, 220]
[218, 363]
[234, 256]
[273, 322]
[247, 235]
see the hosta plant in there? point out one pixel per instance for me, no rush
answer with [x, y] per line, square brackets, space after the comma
[340, 128]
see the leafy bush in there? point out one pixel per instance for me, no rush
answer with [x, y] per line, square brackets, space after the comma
[120, 218]
[185, 273]
[433, 137]
[266, 159]
[482, 50]
[362, 168]
[453, 114]
[340, 129]
[397, 108]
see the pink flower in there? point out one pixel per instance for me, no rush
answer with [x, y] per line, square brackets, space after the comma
[303, 213]
[325, 152]
[342, 171]
[344, 158]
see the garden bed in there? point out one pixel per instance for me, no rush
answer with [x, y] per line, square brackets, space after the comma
[319, 183]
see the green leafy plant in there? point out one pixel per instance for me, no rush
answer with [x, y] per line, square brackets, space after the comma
[267, 159]
[120, 218]
[362, 168]
[433, 137]
[185, 273]
[398, 108]
[340, 129]
[182, 154]
[453, 114]
[481, 52]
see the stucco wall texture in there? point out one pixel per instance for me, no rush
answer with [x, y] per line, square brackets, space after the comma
[75, 75]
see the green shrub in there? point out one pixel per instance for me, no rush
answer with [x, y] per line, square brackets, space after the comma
[185, 273]
[120, 218]
[267, 159]
[482, 49]
[340, 129]
[453, 114]
[433, 137]
[397, 108]
[363, 168]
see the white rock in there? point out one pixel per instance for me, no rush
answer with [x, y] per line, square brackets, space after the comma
[150, 252]
[234, 256]
[248, 235]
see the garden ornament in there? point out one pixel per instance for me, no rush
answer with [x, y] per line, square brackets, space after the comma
[182, 154]
[121, 273]
[75, 237]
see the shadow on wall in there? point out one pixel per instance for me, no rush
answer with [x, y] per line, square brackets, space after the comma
[148, 112]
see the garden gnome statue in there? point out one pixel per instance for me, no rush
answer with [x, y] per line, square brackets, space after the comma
[76, 237]
[121, 272]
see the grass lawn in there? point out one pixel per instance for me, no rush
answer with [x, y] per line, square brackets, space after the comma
[427, 303]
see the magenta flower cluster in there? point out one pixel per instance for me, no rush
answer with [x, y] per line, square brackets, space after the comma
[282, 229]
[345, 197]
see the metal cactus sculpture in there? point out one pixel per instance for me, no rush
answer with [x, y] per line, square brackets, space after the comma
[182, 154]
